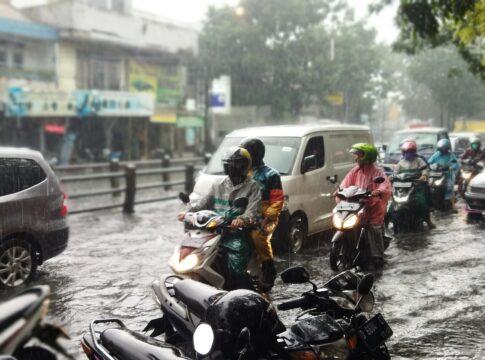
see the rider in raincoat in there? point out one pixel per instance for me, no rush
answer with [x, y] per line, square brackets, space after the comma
[445, 157]
[237, 245]
[412, 163]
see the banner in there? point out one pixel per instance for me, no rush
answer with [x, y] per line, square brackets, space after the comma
[24, 102]
[220, 96]
[114, 103]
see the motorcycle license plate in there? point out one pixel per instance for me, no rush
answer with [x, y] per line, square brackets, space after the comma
[435, 174]
[403, 184]
[374, 332]
[347, 206]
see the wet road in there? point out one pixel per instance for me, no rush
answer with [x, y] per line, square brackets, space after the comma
[432, 290]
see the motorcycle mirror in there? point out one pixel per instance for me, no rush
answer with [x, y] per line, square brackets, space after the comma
[295, 275]
[184, 198]
[365, 285]
[379, 180]
[241, 202]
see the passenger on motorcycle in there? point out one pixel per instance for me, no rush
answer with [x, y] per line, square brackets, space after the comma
[411, 162]
[445, 157]
[363, 175]
[237, 246]
[269, 180]
[475, 151]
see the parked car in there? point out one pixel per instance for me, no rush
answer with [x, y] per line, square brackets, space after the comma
[312, 160]
[33, 225]
[475, 196]
[426, 139]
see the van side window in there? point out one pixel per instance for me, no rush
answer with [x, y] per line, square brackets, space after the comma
[315, 147]
[19, 174]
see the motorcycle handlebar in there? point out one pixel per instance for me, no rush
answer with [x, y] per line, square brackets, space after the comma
[293, 304]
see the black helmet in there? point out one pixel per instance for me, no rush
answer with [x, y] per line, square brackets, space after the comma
[236, 162]
[239, 309]
[256, 148]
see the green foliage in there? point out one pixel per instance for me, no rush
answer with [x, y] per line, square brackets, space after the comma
[278, 53]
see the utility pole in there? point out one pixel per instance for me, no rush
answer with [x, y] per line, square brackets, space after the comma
[207, 119]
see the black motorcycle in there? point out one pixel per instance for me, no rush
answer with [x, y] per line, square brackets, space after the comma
[404, 216]
[22, 320]
[438, 177]
[349, 244]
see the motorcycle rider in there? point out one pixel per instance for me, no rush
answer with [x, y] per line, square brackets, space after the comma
[445, 157]
[411, 162]
[269, 180]
[475, 151]
[363, 175]
[238, 183]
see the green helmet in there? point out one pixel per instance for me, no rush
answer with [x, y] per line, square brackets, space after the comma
[369, 151]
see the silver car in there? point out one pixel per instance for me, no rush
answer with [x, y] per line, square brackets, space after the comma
[33, 225]
[475, 196]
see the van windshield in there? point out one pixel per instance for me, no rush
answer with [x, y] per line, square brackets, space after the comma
[426, 141]
[280, 153]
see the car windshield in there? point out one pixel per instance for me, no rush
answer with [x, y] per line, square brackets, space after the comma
[426, 141]
[280, 153]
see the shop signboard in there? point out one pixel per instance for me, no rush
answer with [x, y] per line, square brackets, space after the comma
[185, 121]
[114, 103]
[220, 97]
[25, 102]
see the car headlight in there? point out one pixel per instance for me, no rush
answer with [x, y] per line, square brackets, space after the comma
[350, 222]
[203, 339]
[187, 263]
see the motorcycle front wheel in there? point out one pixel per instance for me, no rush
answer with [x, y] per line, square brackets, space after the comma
[342, 250]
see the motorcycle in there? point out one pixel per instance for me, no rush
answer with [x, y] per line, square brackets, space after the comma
[438, 177]
[349, 247]
[314, 334]
[469, 169]
[22, 319]
[199, 255]
[403, 205]
[110, 339]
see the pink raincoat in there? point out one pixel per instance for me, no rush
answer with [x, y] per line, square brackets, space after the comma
[363, 177]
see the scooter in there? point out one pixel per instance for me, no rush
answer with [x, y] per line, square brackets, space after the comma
[349, 248]
[469, 169]
[22, 319]
[403, 205]
[199, 255]
[438, 176]
[314, 334]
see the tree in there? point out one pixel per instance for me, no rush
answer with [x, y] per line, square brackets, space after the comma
[444, 22]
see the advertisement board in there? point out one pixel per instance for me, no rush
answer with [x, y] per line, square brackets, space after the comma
[25, 102]
[220, 95]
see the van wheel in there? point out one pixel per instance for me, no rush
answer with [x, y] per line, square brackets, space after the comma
[297, 234]
[18, 264]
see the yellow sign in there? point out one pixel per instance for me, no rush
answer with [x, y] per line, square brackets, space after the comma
[470, 125]
[336, 99]
[164, 118]
[143, 78]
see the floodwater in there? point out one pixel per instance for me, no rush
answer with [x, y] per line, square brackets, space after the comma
[431, 291]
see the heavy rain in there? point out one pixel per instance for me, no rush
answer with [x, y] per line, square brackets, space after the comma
[182, 180]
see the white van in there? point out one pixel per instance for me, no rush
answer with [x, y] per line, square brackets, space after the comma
[312, 160]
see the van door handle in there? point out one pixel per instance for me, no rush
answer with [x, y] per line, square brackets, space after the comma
[333, 179]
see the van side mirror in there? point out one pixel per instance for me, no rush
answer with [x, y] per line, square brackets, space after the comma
[309, 164]
[295, 275]
[184, 198]
[384, 147]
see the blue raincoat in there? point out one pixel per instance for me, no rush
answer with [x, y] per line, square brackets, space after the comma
[447, 160]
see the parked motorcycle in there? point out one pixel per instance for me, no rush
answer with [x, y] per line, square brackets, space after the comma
[199, 255]
[403, 206]
[314, 334]
[438, 177]
[22, 319]
[469, 169]
[349, 247]
[110, 339]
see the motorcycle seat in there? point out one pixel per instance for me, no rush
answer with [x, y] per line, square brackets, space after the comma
[320, 329]
[127, 344]
[23, 305]
[196, 295]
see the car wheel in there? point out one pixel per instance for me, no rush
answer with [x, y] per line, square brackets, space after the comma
[17, 263]
[297, 234]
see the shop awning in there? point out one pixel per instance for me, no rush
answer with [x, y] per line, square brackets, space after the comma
[27, 29]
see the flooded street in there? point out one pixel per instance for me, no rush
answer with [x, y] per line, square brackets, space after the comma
[431, 291]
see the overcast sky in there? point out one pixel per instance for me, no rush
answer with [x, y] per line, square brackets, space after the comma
[193, 11]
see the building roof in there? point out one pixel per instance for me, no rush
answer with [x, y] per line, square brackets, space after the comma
[292, 130]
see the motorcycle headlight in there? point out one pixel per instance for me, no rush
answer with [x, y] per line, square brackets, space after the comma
[350, 222]
[439, 181]
[337, 221]
[187, 263]
[203, 339]
[466, 175]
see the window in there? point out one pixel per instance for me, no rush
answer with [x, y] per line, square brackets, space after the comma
[3, 54]
[315, 147]
[19, 174]
[18, 57]
[98, 71]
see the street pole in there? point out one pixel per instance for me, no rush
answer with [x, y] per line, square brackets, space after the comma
[207, 120]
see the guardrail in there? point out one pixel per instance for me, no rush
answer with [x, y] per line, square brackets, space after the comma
[130, 174]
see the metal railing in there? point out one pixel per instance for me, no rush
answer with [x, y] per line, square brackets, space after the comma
[130, 173]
